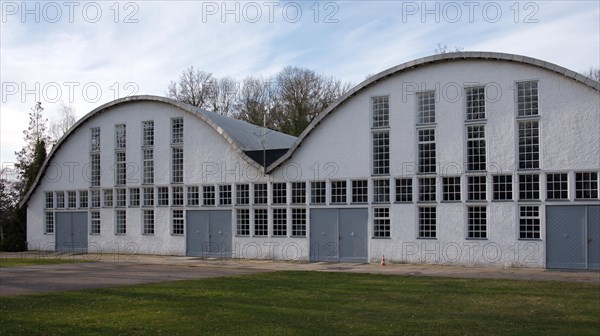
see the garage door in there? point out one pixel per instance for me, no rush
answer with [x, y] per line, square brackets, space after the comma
[339, 235]
[573, 236]
[208, 233]
[71, 234]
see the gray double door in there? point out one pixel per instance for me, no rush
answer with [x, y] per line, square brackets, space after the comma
[209, 233]
[71, 232]
[339, 235]
[573, 236]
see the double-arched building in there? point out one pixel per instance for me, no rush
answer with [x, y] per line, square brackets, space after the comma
[470, 158]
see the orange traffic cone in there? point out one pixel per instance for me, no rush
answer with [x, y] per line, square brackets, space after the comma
[382, 260]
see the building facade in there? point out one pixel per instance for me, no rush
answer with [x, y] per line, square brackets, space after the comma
[462, 158]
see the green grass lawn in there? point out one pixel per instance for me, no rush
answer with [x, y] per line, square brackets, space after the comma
[11, 262]
[312, 303]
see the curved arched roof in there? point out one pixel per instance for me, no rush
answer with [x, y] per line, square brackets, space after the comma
[454, 56]
[242, 136]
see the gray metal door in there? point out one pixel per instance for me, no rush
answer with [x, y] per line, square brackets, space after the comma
[353, 234]
[208, 233]
[71, 232]
[324, 235]
[593, 236]
[338, 235]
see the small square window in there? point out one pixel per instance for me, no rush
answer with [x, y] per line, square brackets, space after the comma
[451, 188]
[502, 187]
[557, 186]
[317, 192]
[208, 195]
[298, 193]
[338, 192]
[225, 194]
[586, 185]
[477, 188]
[279, 193]
[381, 191]
[529, 187]
[360, 191]
[529, 222]
[404, 190]
[427, 192]
[193, 195]
[242, 195]
[260, 193]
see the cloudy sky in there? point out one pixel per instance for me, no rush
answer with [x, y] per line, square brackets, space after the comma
[88, 53]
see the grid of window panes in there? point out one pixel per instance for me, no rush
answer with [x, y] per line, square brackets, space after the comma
[279, 222]
[527, 99]
[177, 195]
[242, 194]
[261, 222]
[404, 190]
[557, 186]
[381, 191]
[148, 133]
[177, 130]
[476, 148]
[95, 196]
[108, 197]
[121, 168]
[318, 192]
[529, 187]
[475, 102]
[260, 193]
[225, 194]
[208, 195]
[60, 199]
[243, 222]
[120, 197]
[338, 192]
[427, 222]
[49, 222]
[360, 191]
[298, 222]
[529, 144]
[193, 195]
[451, 188]
[148, 166]
[586, 185]
[502, 187]
[71, 199]
[426, 107]
[381, 112]
[148, 222]
[162, 196]
[427, 189]
[426, 147]
[134, 197]
[477, 222]
[476, 188]
[95, 139]
[148, 196]
[381, 153]
[95, 170]
[121, 222]
[120, 136]
[177, 164]
[49, 203]
[95, 222]
[529, 222]
[279, 193]
[83, 198]
[177, 221]
[381, 222]
[298, 192]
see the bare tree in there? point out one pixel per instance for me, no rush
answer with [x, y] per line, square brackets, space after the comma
[223, 94]
[442, 49]
[254, 102]
[593, 73]
[66, 119]
[192, 88]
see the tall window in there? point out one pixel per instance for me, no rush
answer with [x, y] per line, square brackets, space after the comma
[338, 192]
[49, 203]
[299, 222]
[177, 164]
[426, 107]
[120, 136]
[557, 186]
[527, 99]
[148, 173]
[193, 195]
[427, 222]
[298, 192]
[451, 188]
[317, 192]
[477, 188]
[381, 112]
[208, 195]
[177, 195]
[95, 139]
[404, 190]
[427, 192]
[477, 222]
[121, 168]
[475, 103]
[121, 222]
[60, 199]
[381, 191]
[149, 196]
[260, 193]
[148, 222]
[502, 187]
[586, 185]
[426, 149]
[529, 144]
[95, 169]
[83, 198]
[134, 197]
[279, 222]
[148, 136]
[529, 222]
[381, 153]
[243, 222]
[225, 194]
[242, 195]
[162, 196]
[95, 222]
[261, 222]
[177, 221]
[381, 222]
[529, 187]
[177, 130]
[49, 222]
[476, 148]
[279, 193]
[360, 191]
[95, 196]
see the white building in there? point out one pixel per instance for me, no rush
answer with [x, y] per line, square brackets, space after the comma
[468, 158]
